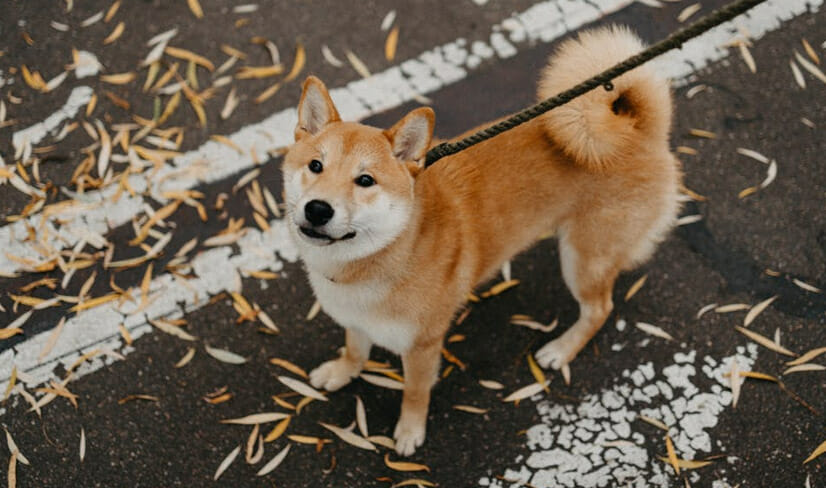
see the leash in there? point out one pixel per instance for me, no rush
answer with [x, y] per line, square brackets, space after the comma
[675, 40]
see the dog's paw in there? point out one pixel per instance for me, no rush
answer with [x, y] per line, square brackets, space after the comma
[409, 435]
[333, 375]
[556, 354]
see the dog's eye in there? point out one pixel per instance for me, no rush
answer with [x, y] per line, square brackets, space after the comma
[316, 166]
[365, 181]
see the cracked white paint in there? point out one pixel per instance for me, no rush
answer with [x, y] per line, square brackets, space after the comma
[600, 442]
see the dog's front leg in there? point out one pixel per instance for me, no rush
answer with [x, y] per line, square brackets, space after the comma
[337, 373]
[421, 368]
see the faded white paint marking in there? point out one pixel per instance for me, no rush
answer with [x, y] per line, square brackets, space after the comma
[213, 161]
[599, 442]
[97, 328]
[78, 98]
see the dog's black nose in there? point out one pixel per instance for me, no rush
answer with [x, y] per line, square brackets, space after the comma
[318, 212]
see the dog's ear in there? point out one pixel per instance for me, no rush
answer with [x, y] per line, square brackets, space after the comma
[315, 109]
[410, 137]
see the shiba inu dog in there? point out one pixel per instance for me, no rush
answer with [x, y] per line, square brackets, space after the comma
[392, 250]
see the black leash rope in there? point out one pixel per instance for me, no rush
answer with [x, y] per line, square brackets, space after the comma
[675, 40]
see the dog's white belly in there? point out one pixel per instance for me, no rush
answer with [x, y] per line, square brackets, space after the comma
[358, 306]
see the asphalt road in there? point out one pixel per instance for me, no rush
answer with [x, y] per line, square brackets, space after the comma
[147, 423]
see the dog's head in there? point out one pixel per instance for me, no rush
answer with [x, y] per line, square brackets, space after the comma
[348, 186]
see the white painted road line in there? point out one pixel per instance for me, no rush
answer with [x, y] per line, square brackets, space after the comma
[430, 71]
[214, 161]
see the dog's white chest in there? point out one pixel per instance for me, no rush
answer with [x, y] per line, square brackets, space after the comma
[359, 306]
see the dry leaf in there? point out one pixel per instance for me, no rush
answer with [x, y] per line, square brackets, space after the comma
[190, 353]
[268, 93]
[810, 51]
[656, 423]
[526, 391]
[361, 417]
[195, 7]
[118, 79]
[807, 367]
[806, 286]
[189, 56]
[404, 465]
[388, 19]
[330, 57]
[758, 376]
[753, 154]
[682, 17]
[635, 287]
[747, 57]
[470, 409]
[12, 474]
[732, 307]
[382, 381]
[672, 455]
[764, 341]
[654, 331]
[13, 448]
[113, 9]
[274, 462]
[230, 104]
[702, 133]
[391, 43]
[225, 356]
[771, 174]
[811, 68]
[532, 324]
[817, 452]
[413, 482]
[289, 367]
[349, 437]
[82, 450]
[757, 310]
[357, 64]
[808, 356]
[172, 330]
[537, 373]
[491, 385]
[226, 462]
[116, 33]
[383, 441]
[736, 381]
[139, 396]
[314, 310]
[798, 75]
[499, 288]
[302, 388]
[278, 430]
[257, 418]
[689, 219]
[298, 64]
[307, 439]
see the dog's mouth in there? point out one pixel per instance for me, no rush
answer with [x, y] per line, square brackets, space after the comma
[310, 232]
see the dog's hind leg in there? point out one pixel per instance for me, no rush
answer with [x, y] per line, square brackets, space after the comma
[590, 276]
[337, 373]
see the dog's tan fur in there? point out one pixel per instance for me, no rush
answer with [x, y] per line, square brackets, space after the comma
[598, 172]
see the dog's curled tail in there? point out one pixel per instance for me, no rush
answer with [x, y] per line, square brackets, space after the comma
[602, 128]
